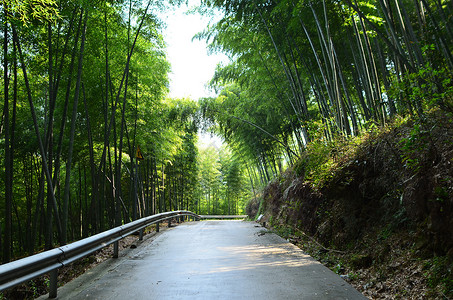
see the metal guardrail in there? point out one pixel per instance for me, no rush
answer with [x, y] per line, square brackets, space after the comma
[22, 270]
[224, 217]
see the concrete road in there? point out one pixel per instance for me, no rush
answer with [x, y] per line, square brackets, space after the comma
[211, 260]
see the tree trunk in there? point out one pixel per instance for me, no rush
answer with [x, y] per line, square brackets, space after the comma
[72, 134]
[8, 163]
[38, 135]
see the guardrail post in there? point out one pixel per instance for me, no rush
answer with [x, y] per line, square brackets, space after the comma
[140, 235]
[169, 223]
[157, 227]
[115, 249]
[53, 284]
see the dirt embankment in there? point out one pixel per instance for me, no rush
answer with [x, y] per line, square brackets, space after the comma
[383, 217]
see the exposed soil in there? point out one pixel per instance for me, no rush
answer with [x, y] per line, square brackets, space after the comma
[383, 218]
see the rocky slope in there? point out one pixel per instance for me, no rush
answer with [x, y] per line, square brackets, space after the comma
[378, 211]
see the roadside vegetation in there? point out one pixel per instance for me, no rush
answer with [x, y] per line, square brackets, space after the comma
[377, 211]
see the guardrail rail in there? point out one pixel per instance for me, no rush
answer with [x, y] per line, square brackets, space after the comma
[223, 217]
[25, 269]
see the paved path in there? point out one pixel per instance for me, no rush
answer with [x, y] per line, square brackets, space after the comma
[211, 260]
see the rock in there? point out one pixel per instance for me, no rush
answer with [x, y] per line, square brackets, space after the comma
[368, 285]
[394, 265]
[345, 277]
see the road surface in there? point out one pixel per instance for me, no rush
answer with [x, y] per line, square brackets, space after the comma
[211, 260]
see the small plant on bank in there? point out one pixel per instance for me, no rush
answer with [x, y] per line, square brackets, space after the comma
[439, 274]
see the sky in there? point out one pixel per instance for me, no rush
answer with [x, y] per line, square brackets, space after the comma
[192, 67]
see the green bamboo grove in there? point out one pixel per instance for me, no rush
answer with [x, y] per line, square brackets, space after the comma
[304, 71]
[90, 139]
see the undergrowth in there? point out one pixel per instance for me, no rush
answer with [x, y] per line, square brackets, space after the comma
[321, 158]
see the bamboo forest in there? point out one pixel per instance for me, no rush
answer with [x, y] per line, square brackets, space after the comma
[91, 139]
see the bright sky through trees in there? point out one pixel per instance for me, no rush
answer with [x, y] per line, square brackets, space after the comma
[192, 67]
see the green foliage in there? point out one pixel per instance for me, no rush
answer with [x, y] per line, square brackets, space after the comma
[27, 11]
[418, 146]
[35, 289]
[411, 146]
[283, 231]
[441, 193]
[320, 158]
[426, 89]
[386, 232]
[440, 275]
[223, 187]
[319, 162]
[313, 71]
